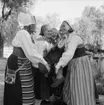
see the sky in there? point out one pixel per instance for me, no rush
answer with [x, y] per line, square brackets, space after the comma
[67, 9]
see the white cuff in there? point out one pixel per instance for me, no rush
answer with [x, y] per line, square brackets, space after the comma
[57, 66]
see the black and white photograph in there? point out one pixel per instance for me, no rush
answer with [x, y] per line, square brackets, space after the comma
[51, 52]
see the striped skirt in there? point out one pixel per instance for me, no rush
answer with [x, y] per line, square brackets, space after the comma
[79, 87]
[21, 92]
[27, 82]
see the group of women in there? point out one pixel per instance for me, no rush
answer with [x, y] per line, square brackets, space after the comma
[38, 64]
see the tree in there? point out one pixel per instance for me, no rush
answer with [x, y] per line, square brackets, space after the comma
[53, 19]
[92, 25]
[1, 38]
[10, 8]
[9, 5]
[82, 27]
[10, 29]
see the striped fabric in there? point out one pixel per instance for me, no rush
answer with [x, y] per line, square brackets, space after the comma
[78, 88]
[27, 82]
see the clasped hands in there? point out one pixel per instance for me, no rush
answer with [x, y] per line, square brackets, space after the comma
[57, 68]
[46, 68]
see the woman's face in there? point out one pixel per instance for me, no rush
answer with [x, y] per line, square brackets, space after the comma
[64, 28]
[33, 28]
[48, 27]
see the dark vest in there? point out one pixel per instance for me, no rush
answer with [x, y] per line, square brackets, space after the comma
[80, 52]
[54, 55]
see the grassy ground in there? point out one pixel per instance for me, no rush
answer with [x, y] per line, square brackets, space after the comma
[2, 70]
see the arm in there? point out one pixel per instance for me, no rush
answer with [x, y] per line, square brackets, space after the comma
[69, 53]
[49, 46]
[29, 49]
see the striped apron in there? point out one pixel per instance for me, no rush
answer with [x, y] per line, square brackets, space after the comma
[27, 82]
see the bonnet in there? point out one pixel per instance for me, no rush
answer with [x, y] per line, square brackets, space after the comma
[25, 19]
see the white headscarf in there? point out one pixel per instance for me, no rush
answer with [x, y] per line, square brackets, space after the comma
[25, 19]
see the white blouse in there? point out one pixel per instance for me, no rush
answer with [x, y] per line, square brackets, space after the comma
[42, 45]
[71, 43]
[23, 40]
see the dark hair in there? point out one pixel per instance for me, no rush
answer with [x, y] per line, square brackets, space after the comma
[43, 28]
[28, 27]
[71, 29]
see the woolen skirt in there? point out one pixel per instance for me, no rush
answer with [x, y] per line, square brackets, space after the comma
[79, 84]
[22, 91]
[41, 85]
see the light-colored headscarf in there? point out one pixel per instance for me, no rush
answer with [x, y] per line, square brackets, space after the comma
[25, 19]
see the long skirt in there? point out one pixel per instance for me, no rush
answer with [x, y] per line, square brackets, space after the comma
[21, 92]
[79, 84]
[41, 85]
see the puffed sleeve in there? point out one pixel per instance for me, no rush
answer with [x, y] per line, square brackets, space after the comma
[26, 44]
[74, 41]
[49, 46]
[42, 44]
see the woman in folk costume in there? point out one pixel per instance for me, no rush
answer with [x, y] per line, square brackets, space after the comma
[43, 46]
[19, 83]
[79, 85]
[52, 57]
[61, 74]
[49, 36]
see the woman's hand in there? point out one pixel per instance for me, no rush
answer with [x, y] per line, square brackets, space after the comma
[44, 68]
[48, 67]
[57, 69]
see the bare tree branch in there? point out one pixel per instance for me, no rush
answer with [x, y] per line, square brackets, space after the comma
[3, 9]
